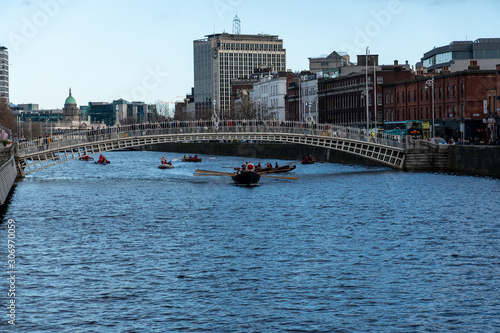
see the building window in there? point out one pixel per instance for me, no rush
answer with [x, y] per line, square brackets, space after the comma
[448, 93]
[440, 91]
[392, 98]
[409, 97]
[454, 91]
[386, 98]
[380, 79]
[462, 88]
[463, 111]
[379, 99]
[397, 97]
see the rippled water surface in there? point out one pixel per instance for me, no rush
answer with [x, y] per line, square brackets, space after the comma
[128, 247]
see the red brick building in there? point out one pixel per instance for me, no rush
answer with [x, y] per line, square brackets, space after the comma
[342, 99]
[301, 94]
[459, 99]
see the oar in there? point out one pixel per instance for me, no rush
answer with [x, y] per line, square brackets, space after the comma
[215, 172]
[176, 159]
[209, 174]
[210, 171]
[292, 178]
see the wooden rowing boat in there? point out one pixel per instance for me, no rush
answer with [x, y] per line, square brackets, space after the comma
[246, 178]
[284, 168]
[192, 159]
[219, 173]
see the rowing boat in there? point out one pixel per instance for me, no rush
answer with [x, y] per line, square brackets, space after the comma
[246, 178]
[165, 166]
[284, 168]
[192, 159]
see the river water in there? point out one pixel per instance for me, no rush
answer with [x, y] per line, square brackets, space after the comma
[128, 247]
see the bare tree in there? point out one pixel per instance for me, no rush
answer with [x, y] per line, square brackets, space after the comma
[163, 109]
[6, 117]
[244, 108]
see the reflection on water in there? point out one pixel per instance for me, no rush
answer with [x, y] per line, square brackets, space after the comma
[130, 247]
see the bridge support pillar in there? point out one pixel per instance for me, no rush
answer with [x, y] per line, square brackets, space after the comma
[20, 170]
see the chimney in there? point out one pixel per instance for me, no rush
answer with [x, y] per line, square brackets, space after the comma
[396, 63]
[361, 60]
[473, 65]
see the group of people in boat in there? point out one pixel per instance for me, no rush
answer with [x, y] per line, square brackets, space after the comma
[249, 166]
[308, 159]
[164, 161]
[195, 157]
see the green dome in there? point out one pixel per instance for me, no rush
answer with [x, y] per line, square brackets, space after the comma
[70, 99]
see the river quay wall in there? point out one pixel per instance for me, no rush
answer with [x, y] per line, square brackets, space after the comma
[475, 160]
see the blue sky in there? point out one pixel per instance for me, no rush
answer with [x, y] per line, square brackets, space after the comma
[143, 50]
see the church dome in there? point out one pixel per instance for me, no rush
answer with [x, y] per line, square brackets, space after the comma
[70, 99]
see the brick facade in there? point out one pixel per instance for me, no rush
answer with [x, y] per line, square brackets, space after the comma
[458, 102]
[342, 100]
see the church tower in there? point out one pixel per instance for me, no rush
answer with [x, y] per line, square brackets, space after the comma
[70, 110]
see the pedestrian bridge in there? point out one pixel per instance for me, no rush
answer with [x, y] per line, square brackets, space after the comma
[39, 154]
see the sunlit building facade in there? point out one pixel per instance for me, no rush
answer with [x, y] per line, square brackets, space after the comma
[220, 58]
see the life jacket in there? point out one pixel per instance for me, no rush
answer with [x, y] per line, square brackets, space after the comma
[250, 167]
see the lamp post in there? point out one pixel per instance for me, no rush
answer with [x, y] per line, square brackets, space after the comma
[214, 116]
[367, 92]
[430, 83]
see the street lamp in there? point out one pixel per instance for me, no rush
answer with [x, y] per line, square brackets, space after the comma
[430, 83]
[214, 116]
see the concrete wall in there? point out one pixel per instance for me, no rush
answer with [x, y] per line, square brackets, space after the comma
[482, 160]
[263, 151]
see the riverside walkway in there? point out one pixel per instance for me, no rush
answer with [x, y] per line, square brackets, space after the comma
[35, 155]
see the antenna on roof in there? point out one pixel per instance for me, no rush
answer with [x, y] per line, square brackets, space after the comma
[236, 25]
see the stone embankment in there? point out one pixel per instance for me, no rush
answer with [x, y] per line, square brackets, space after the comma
[421, 155]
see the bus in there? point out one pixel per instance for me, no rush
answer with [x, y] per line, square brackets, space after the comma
[413, 128]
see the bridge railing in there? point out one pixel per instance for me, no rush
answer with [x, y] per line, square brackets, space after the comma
[72, 138]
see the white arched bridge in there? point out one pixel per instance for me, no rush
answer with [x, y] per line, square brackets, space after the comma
[46, 152]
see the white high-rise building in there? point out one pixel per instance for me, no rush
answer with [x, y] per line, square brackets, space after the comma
[220, 58]
[4, 73]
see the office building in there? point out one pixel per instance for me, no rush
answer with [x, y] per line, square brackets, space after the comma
[457, 55]
[4, 73]
[220, 58]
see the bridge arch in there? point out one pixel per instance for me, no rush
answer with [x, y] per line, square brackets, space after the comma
[36, 155]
